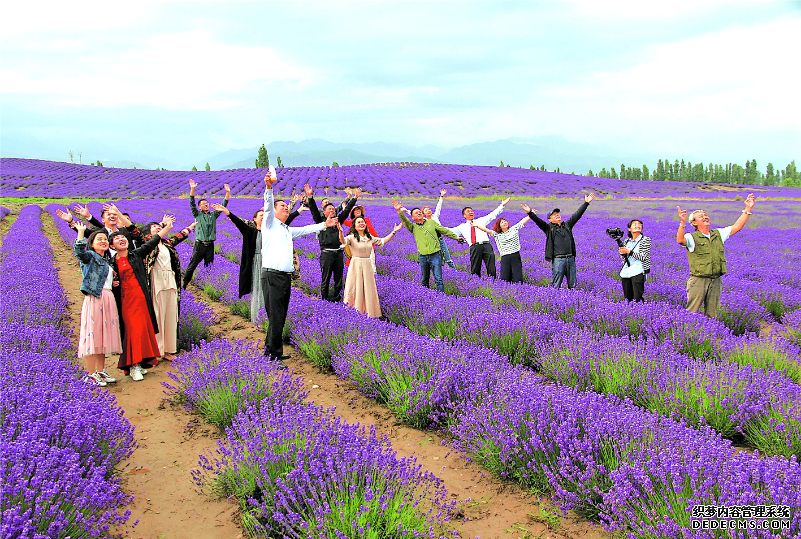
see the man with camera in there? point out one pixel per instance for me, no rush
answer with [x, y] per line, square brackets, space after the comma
[707, 257]
[560, 247]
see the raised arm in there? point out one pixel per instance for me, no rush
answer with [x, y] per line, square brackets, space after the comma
[740, 223]
[192, 204]
[182, 235]
[391, 235]
[405, 220]
[349, 206]
[680, 239]
[579, 212]
[532, 214]
[438, 209]
[495, 213]
[522, 221]
[227, 194]
[80, 244]
[269, 203]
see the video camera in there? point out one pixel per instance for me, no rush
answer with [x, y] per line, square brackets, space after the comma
[616, 234]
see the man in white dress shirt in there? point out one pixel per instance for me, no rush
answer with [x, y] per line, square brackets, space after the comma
[277, 267]
[480, 246]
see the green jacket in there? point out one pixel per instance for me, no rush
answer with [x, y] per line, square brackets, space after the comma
[206, 229]
[426, 234]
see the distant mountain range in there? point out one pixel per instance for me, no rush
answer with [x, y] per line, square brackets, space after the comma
[551, 151]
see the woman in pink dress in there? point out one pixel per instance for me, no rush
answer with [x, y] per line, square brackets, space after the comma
[100, 325]
[360, 288]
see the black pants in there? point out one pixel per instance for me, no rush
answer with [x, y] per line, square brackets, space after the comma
[332, 263]
[634, 287]
[200, 252]
[276, 287]
[479, 252]
[512, 268]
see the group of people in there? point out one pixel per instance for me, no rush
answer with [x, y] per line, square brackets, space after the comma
[132, 280]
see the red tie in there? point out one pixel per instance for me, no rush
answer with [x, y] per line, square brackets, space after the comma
[472, 234]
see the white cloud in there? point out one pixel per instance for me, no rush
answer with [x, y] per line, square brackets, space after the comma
[739, 78]
[188, 70]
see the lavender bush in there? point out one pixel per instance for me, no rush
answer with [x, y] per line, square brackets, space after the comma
[61, 440]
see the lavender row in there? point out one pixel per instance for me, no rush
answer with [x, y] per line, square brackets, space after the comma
[601, 455]
[61, 441]
[296, 469]
[29, 177]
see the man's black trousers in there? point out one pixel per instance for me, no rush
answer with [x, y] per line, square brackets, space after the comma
[276, 287]
[201, 251]
[479, 252]
[332, 263]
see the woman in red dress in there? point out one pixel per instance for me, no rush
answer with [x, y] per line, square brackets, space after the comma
[137, 317]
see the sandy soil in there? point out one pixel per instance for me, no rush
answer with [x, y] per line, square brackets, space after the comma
[168, 505]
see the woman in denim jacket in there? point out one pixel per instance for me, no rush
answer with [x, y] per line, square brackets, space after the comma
[100, 325]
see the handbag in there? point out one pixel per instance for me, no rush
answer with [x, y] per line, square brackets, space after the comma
[295, 265]
[348, 252]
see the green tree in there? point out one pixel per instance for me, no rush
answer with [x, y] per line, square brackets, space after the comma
[646, 174]
[208, 168]
[279, 164]
[590, 173]
[770, 177]
[531, 167]
[70, 154]
[502, 163]
[194, 168]
[263, 160]
[334, 164]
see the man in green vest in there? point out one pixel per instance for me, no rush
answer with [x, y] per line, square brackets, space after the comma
[707, 256]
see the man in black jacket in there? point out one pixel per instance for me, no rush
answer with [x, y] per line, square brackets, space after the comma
[332, 261]
[560, 247]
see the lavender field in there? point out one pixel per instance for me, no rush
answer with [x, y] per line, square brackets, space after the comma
[634, 415]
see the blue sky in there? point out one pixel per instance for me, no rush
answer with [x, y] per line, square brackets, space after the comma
[178, 81]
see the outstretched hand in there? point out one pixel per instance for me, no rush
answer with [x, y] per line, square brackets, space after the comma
[220, 208]
[269, 181]
[331, 221]
[192, 184]
[397, 227]
[79, 226]
[526, 208]
[749, 202]
[589, 198]
[442, 192]
[227, 188]
[357, 192]
[168, 221]
[308, 190]
[64, 215]
[682, 214]
[83, 211]
[505, 201]
[397, 205]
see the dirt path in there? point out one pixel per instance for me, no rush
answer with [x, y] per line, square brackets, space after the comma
[497, 509]
[167, 503]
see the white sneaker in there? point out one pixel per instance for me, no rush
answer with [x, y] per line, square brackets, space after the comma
[106, 377]
[96, 378]
[136, 373]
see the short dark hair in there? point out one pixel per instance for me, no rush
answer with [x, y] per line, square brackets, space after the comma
[115, 234]
[90, 240]
[413, 210]
[326, 206]
[628, 226]
[148, 230]
[465, 209]
[255, 213]
[497, 226]
[202, 199]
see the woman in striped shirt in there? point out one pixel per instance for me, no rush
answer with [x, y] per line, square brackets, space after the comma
[508, 240]
[638, 251]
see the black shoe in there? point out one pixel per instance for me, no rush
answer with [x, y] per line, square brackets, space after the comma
[285, 356]
[281, 365]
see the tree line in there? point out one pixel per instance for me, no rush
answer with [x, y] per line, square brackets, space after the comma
[679, 171]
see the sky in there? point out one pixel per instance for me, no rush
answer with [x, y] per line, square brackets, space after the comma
[177, 81]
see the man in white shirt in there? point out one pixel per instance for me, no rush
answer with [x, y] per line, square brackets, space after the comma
[277, 267]
[480, 246]
[707, 256]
